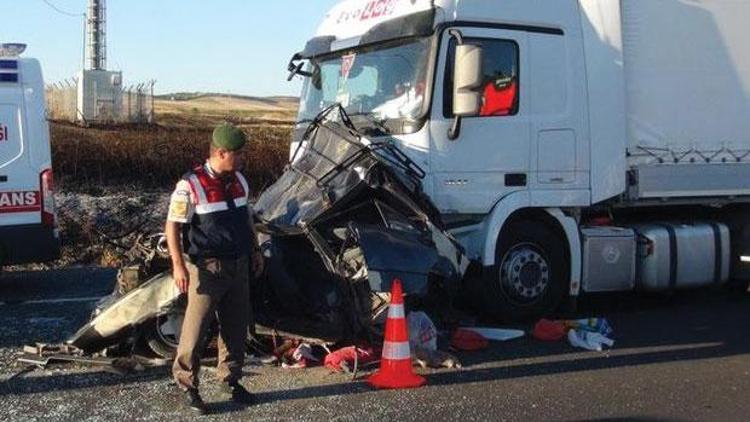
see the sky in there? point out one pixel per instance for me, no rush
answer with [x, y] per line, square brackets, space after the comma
[225, 46]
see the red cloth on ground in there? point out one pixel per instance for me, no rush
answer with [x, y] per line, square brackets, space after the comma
[347, 354]
[547, 330]
[468, 341]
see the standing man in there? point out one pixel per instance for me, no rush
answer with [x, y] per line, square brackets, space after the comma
[210, 221]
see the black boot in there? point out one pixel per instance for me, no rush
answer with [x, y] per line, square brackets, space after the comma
[238, 393]
[194, 401]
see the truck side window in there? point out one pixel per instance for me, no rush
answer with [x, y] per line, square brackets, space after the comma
[500, 84]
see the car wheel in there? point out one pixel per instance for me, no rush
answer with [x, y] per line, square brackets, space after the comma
[163, 334]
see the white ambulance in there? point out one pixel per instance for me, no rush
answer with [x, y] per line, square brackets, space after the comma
[28, 230]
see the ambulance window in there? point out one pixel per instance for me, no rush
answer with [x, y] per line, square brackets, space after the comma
[8, 77]
[500, 84]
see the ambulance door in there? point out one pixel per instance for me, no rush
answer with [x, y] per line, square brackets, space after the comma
[20, 196]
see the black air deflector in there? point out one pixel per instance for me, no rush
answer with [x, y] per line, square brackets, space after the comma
[318, 46]
[419, 24]
[416, 25]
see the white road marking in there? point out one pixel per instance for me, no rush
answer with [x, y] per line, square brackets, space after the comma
[53, 301]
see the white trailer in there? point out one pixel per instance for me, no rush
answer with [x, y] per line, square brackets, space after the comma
[570, 145]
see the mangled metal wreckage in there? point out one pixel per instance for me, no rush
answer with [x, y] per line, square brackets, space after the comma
[346, 218]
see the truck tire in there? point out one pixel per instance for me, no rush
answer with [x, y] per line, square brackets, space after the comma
[530, 275]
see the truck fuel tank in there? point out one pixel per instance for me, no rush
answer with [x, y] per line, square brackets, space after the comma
[674, 256]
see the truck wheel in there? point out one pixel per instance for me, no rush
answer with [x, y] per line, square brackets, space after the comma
[530, 275]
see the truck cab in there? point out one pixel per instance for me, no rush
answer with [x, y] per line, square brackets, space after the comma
[28, 230]
[518, 111]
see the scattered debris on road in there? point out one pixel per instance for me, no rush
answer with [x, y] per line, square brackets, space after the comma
[497, 334]
[346, 218]
[43, 355]
[588, 333]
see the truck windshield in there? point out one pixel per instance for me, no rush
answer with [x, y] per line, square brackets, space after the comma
[382, 83]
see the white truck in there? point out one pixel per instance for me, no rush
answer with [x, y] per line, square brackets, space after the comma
[28, 231]
[571, 146]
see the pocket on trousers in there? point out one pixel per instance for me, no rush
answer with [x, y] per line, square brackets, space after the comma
[210, 265]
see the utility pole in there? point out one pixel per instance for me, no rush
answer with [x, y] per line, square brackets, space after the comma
[83, 44]
[97, 34]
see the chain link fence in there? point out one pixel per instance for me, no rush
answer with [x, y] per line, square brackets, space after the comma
[132, 104]
[138, 103]
[62, 100]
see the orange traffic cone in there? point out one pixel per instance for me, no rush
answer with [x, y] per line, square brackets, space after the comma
[395, 366]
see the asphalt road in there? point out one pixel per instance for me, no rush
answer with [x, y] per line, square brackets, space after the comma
[685, 357]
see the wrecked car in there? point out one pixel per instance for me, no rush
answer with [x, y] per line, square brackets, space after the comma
[347, 217]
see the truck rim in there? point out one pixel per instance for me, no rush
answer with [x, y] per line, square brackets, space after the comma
[524, 273]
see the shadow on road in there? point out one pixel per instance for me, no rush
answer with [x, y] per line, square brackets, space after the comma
[684, 331]
[649, 329]
[56, 284]
[521, 371]
[77, 381]
[48, 306]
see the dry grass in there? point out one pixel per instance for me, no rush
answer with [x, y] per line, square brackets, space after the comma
[153, 157]
[208, 109]
[114, 180]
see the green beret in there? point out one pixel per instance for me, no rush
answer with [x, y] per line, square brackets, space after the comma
[228, 137]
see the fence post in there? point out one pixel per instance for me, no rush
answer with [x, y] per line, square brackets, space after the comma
[151, 110]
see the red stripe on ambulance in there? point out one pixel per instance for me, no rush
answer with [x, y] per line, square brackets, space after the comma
[3, 133]
[11, 202]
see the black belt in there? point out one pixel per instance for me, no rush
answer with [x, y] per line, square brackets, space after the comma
[194, 258]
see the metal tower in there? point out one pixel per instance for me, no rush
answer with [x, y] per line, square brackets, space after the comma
[97, 35]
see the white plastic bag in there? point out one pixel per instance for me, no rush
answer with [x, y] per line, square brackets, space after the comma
[588, 340]
[422, 331]
[496, 334]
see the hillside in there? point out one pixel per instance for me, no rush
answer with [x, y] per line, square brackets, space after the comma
[207, 108]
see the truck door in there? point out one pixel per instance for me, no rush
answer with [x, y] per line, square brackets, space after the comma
[491, 156]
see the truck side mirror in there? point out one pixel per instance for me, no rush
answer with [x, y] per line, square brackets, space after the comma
[467, 71]
[467, 78]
